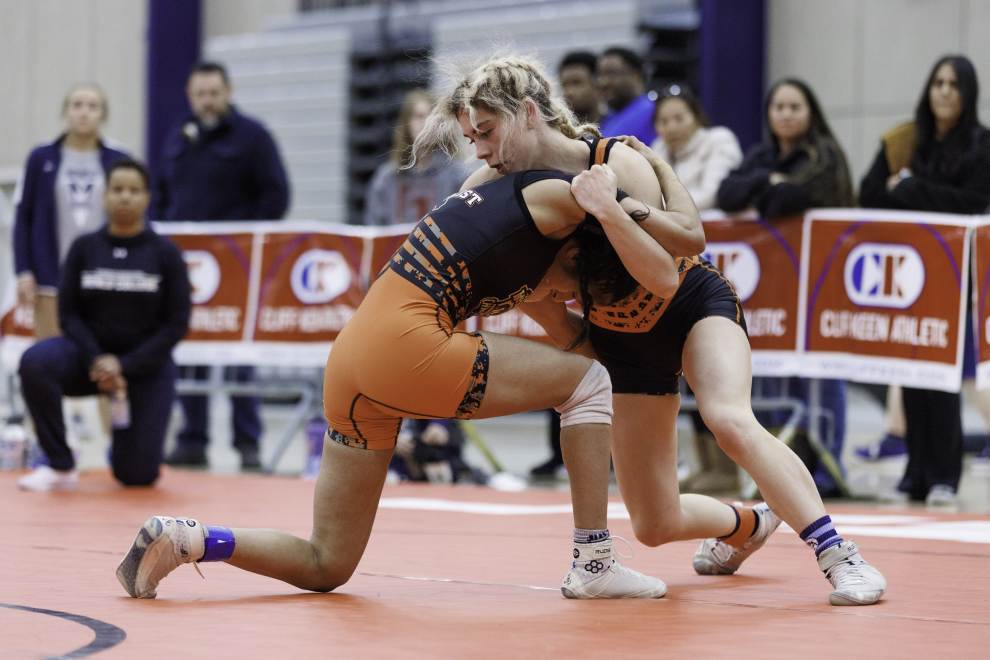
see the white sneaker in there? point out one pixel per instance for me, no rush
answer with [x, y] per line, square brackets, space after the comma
[893, 496]
[44, 478]
[942, 497]
[715, 557]
[855, 581]
[596, 574]
[161, 545]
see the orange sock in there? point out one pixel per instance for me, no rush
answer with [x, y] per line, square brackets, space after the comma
[746, 522]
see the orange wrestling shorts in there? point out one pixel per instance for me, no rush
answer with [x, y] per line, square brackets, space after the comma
[399, 357]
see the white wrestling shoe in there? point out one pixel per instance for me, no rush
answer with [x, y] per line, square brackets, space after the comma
[855, 581]
[715, 557]
[43, 478]
[161, 545]
[596, 574]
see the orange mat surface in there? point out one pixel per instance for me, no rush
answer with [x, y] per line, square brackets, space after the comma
[454, 572]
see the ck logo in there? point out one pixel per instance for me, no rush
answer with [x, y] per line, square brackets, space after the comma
[319, 276]
[884, 275]
[739, 263]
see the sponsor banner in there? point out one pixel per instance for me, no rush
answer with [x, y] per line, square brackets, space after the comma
[18, 321]
[309, 286]
[16, 328]
[762, 260]
[219, 272]
[879, 298]
[885, 296]
[981, 305]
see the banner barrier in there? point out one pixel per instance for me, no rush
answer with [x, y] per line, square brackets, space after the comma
[884, 297]
[981, 302]
[762, 261]
[864, 295]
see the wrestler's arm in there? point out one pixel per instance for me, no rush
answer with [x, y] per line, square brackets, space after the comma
[563, 325]
[646, 260]
[557, 208]
[647, 177]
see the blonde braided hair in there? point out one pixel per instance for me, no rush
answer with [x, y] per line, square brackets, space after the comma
[500, 85]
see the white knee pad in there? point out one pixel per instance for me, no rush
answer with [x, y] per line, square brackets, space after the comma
[591, 402]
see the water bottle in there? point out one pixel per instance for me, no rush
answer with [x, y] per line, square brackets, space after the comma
[120, 410]
[13, 444]
[35, 455]
[315, 431]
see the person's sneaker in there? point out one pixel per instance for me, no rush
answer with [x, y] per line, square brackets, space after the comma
[854, 580]
[715, 557]
[891, 446]
[548, 468]
[893, 496]
[187, 456]
[250, 460]
[596, 574]
[942, 497]
[44, 478]
[162, 544]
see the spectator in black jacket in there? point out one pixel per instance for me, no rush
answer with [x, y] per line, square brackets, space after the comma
[799, 165]
[938, 162]
[124, 304]
[218, 164]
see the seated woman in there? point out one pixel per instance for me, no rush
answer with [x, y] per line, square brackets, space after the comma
[701, 155]
[479, 252]
[124, 303]
[403, 190]
[646, 339]
[799, 165]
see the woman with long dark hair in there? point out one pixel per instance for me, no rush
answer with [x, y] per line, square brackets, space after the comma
[799, 165]
[939, 162]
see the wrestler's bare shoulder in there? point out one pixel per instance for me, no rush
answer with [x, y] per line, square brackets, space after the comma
[483, 174]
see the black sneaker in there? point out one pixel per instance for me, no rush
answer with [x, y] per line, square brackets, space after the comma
[250, 461]
[547, 469]
[187, 456]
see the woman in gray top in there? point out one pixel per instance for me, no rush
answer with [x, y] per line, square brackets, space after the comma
[60, 197]
[402, 191]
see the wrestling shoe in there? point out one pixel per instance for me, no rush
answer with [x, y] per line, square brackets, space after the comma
[596, 574]
[43, 479]
[161, 545]
[855, 581]
[715, 557]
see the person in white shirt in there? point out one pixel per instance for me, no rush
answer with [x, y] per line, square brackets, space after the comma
[700, 154]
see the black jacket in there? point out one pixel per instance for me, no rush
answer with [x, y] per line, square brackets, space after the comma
[230, 172]
[946, 182]
[819, 181]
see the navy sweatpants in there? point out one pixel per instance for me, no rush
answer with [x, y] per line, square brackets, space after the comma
[246, 416]
[54, 368]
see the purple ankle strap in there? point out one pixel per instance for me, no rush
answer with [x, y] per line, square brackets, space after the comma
[219, 543]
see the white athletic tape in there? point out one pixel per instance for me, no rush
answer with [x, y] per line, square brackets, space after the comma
[591, 402]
